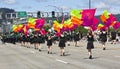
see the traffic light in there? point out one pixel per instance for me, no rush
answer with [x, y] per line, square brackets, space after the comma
[53, 14]
[38, 14]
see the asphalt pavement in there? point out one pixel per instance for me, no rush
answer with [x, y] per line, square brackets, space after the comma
[19, 57]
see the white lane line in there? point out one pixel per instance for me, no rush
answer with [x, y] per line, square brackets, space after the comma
[32, 52]
[61, 61]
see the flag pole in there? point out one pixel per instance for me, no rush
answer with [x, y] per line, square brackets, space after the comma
[89, 4]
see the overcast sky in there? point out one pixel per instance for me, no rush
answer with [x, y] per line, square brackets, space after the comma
[49, 5]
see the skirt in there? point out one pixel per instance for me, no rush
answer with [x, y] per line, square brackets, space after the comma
[90, 45]
[61, 44]
[103, 40]
[49, 43]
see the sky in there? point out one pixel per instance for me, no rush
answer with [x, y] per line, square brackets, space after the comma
[58, 5]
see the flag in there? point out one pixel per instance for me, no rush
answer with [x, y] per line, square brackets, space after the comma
[103, 18]
[106, 14]
[39, 23]
[107, 18]
[31, 22]
[25, 29]
[88, 17]
[14, 28]
[117, 25]
[76, 13]
[76, 21]
[100, 25]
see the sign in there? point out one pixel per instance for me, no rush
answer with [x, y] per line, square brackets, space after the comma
[22, 14]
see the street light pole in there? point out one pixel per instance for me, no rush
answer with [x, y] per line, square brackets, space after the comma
[89, 4]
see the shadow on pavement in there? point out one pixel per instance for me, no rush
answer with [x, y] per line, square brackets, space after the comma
[92, 58]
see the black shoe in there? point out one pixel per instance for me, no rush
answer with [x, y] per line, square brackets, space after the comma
[76, 46]
[40, 50]
[104, 48]
[63, 54]
[48, 52]
[90, 57]
[36, 48]
[68, 44]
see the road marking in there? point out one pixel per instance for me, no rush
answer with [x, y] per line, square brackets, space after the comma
[61, 61]
[32, 52]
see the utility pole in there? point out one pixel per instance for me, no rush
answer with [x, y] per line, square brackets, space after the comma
[89, 4]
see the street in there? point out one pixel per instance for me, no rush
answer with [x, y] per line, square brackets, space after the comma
[19, 57]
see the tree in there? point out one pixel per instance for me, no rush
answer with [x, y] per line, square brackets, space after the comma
[81, 29]
[46, 27]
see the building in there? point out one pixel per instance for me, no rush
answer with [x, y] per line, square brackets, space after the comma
[22, 17]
